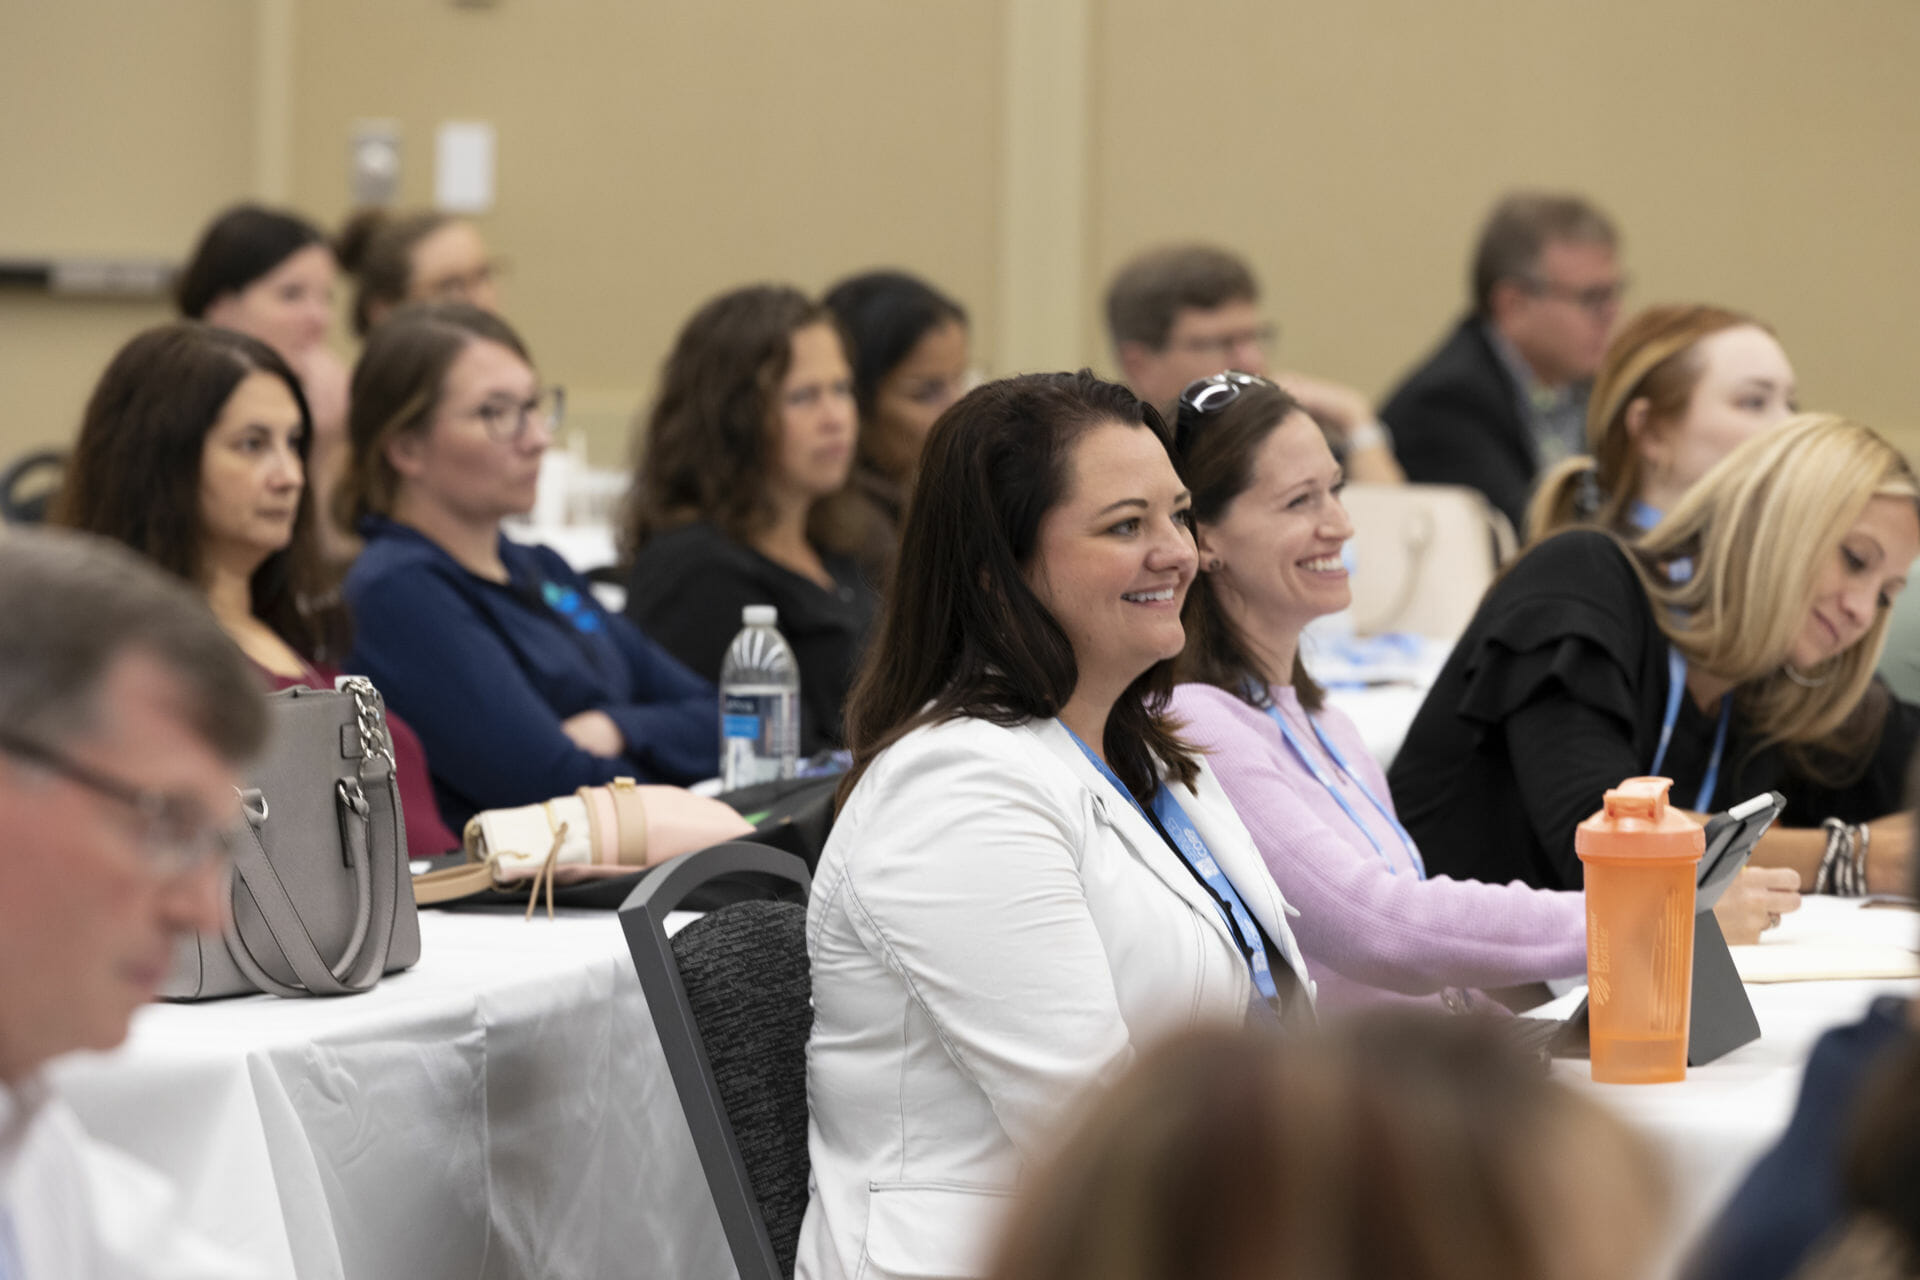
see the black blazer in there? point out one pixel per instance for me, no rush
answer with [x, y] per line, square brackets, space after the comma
[1456, 420]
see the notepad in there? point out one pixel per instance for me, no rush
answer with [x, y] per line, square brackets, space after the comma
[1852, 945]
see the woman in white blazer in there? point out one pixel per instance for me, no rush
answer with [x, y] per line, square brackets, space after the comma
[1004, 911]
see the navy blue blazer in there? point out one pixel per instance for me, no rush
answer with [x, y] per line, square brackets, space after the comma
[485, 672]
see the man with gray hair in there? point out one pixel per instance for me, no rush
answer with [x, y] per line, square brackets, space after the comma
[125, 716]
[1506, 393]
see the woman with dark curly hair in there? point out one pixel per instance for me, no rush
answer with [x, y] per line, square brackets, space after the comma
[740, 496]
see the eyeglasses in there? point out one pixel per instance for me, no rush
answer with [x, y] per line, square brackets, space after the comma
[172, 829]
[1223, 345]
[462, 287]
[506, 421]
[1594, 299]
[1206, 396]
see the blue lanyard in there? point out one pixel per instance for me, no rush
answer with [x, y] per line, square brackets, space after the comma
[1321, 776]
[1676, 686]
[1186, 840]
[1643, 517]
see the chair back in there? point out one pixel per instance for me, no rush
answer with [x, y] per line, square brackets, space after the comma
[1424, 554]
[729, 996]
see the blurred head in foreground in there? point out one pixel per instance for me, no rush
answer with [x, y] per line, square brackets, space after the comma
[1411, 1148]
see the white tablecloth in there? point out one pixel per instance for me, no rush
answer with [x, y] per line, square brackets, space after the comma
[502, 1110]
[1724, 1116]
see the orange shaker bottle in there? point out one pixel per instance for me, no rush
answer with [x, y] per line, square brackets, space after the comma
[1641, 857]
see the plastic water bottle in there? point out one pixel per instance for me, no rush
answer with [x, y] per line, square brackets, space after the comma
[759, 703]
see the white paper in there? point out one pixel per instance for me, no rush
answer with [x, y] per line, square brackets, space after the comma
[463, 166]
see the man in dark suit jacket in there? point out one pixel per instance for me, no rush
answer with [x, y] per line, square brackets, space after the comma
[1505, 394]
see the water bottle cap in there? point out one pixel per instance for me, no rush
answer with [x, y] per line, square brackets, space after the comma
[759, 615]
[1635, 821]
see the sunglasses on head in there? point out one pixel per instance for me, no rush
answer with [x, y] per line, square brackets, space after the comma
[1206, 396]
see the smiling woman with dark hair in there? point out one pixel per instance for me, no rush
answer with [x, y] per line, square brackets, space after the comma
[1030, 874]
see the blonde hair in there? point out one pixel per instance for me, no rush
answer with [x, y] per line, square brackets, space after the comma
[1654, 357]
[1758, 527]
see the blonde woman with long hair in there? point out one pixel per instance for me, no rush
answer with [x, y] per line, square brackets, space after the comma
[1593, 660]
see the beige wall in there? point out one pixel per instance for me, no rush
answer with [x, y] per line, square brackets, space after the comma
[1761, 156]
[652, 155]
[121, 125]
[1012, 150]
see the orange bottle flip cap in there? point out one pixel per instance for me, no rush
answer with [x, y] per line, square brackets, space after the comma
[1635, 821]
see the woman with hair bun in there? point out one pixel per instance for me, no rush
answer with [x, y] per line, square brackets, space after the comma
[1681, 386]
[421, 256]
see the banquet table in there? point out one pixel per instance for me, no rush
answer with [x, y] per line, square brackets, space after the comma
[1711, 1127]
[501, 1110]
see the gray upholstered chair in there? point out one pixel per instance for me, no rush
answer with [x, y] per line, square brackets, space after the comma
[729, 995]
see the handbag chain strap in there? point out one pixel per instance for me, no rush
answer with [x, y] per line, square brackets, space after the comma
[376, 743]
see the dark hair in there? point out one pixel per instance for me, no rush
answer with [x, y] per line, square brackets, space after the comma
[1520, 226]
[1395, 1145]
[705, 445]
[376, 249]
[237, 248]
[396, 388]
[1150, 291]
[1218, 466]
[962, 634]
[72, 604]
[135, 472]
[883, 315]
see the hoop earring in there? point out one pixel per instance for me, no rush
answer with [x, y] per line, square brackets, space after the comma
[1807, 682]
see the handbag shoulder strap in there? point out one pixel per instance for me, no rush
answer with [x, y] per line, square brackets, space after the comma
[282, 918]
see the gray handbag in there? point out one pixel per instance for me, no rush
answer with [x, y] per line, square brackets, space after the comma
[322, 899]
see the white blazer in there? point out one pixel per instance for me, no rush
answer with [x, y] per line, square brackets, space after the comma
[993, 928]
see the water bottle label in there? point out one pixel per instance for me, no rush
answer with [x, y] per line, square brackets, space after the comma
[739, 726]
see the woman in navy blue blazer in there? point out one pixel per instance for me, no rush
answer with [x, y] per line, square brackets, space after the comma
[521, 686]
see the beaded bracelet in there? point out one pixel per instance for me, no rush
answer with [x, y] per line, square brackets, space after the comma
[1843, 867]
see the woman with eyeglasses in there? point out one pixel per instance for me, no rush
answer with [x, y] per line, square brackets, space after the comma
[740, 497]
[1743, 626]
[520, 684]
[193, 451]
[421, 256]
[1270, 528]
[908, 345]
[1031, 875]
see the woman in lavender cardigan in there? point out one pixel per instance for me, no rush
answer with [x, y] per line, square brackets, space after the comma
[1270, 528]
